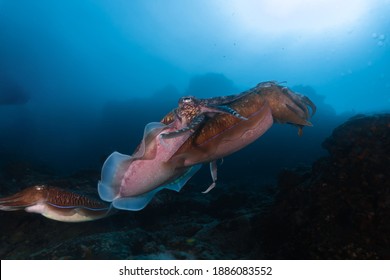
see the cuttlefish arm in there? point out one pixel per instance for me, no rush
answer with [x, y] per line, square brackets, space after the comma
[56, 204]
[286, 105]
[191, 127]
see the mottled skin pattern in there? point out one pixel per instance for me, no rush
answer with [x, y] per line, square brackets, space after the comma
[187, 116]
[191, 112]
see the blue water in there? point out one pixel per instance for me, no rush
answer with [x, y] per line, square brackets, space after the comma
[80, 79]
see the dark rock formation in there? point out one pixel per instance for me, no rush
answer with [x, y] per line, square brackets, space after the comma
[341, 208]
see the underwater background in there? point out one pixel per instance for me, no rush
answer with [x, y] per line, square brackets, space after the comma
[80, 79]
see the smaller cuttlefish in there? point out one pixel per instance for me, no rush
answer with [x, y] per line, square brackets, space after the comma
[57, 204]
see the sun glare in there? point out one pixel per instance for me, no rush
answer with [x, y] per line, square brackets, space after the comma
[280, 16]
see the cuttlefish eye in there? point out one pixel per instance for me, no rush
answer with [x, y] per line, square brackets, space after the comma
[186, 100]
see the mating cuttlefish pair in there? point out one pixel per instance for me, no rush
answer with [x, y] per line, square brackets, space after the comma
[198, 131]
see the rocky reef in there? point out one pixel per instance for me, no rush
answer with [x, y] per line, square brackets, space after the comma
[337, 209]
[340, 209]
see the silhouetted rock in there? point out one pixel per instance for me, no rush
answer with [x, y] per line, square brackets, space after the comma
[322, 107]
[211, 84]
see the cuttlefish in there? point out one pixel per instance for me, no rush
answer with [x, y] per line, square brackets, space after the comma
[57, 204]
[198, 131]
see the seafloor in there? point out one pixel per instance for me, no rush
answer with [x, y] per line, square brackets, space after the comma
[337, 209]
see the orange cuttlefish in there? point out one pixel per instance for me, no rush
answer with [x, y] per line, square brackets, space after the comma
[172, 151]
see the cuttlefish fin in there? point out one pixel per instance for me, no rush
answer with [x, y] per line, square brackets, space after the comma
[151, 130]
[113, 169]
[213, 171]
[135, 203]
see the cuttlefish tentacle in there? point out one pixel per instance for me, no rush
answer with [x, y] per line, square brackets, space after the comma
[56, 204]
[301, 101]
[286, 105]
[192, 126]
[224, 110]
[213, 171]
[300, 107]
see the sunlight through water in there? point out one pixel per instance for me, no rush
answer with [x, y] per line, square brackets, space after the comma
[279, 16]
